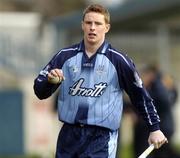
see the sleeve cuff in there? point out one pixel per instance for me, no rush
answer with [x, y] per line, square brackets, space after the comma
[154, 127]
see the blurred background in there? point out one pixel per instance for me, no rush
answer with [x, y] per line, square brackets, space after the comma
[32, 31]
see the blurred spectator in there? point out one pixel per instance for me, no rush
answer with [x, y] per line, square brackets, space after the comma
[171, 86]
[164, 93]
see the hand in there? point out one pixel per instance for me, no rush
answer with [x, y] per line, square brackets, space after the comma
[56, 73]
[157, 138]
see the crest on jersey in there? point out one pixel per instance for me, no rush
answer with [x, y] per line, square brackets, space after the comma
[100, 69]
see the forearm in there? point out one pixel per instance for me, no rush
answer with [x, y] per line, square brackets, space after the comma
[145, 107]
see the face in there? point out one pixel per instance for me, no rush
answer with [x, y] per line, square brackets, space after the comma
[94, 28]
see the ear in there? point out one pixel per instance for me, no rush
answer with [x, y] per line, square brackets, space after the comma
[82, 25]
[108, 26]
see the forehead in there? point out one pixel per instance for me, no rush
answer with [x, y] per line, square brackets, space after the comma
[93, 16]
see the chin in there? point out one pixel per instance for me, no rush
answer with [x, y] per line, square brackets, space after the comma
[92, 41]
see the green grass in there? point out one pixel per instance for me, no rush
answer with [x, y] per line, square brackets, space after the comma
[125, 151]
[177, 147]
[25, 156]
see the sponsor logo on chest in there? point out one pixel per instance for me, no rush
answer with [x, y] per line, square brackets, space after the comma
[78, 90]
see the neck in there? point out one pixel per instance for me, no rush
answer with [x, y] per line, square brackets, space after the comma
[91, 49]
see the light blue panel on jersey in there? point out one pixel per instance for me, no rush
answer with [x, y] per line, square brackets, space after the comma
[67, 105]
[108, 106]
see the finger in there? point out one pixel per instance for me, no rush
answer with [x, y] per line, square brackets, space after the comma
[60, 74]
[160, 143]
[165, 141]
[53, 73]
[156, 144]
[57, 71]
[50, 75]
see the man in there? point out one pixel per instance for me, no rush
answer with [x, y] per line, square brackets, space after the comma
[90, 104]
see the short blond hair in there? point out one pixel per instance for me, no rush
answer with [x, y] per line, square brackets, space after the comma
[98, 9]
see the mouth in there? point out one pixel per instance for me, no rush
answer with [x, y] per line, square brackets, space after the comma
[92, 35]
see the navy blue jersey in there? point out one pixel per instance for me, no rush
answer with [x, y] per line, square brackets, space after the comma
[93, 88]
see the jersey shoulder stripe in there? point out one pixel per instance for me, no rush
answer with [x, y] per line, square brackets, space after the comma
[67, 50]
[120, 55]
[64, 54]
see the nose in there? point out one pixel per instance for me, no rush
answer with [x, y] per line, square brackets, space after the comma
[92, 26]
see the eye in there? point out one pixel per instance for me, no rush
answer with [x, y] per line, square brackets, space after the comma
[88, 22]
[98, 23]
